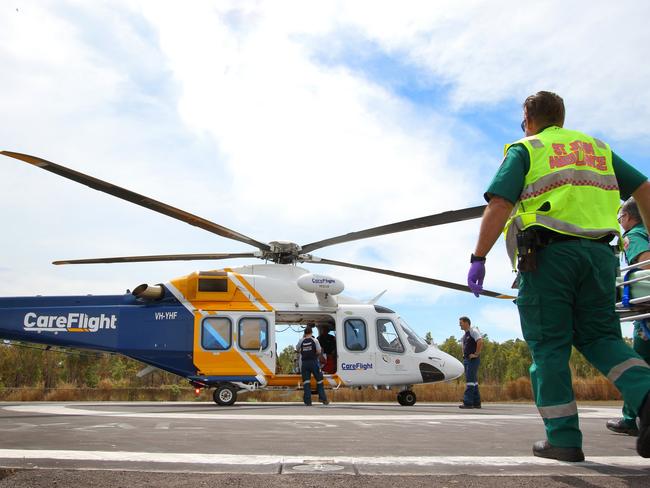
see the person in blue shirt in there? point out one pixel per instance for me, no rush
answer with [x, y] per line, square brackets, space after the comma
[472, 345]
[310, 351]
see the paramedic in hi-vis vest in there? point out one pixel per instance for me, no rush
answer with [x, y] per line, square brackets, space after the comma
[637, 250]
[309, 350]
[556, 196]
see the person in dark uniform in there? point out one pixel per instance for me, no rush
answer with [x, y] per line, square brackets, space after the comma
[472, 345]
[557, 194]
[637, 250]
[309, 350]
[328, 344]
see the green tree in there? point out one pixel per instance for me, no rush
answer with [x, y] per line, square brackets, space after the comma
[428, 338]
[286, 360]
[452, 346]
[20, 365]
[580, 368]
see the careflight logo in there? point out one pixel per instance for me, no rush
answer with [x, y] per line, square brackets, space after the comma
[72, 322]
[356, 366]
[323, 281]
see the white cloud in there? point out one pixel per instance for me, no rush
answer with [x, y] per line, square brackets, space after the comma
[223, 109]
[591, 52]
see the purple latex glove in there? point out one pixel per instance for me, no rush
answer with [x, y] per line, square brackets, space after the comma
[475, 277]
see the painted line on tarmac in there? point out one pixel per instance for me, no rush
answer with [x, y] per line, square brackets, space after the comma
[247, 459]
[74, 410]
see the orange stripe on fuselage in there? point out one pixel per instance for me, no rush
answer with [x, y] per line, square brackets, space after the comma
[250, 289]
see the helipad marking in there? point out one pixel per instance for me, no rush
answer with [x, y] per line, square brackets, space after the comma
[322, 468]
[248, 459]
[76, 410]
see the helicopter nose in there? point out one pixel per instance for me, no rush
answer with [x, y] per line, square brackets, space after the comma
[453, 368]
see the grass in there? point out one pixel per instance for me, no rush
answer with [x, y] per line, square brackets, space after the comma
[598, 388]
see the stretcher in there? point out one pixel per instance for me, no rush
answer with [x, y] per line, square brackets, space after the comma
[633, 295]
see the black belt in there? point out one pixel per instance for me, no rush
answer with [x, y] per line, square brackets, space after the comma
[547, 237]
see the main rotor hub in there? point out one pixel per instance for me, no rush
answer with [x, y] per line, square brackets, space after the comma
[283, 252]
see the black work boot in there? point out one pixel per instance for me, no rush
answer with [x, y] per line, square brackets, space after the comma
[620, 426]
[569, 454]
[643, 441]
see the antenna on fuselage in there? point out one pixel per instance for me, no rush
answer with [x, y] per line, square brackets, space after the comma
[372, 301]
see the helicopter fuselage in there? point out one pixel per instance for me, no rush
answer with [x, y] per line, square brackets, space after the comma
[219, 328]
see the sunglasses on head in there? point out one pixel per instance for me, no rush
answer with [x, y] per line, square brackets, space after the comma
[523, 125]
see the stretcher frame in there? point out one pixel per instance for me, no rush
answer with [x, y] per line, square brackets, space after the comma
[636, 308]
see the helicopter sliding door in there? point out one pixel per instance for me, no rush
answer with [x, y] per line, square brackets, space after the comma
[239, 346]
[256, 339]
[355, 352]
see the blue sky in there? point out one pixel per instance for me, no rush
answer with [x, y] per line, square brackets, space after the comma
[294, 121]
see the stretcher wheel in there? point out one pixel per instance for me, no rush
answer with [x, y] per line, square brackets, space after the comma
[224, 395]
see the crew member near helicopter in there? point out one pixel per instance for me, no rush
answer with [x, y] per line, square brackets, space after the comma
[565, 187]
[637, 250]
[472, 344]
[328, 343]
[309, 350]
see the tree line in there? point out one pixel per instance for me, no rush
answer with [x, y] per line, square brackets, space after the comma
[510, 360]
[500, 361]
[26, 365]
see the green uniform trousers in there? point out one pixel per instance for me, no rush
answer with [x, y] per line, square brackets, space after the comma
[570, 300]
[643, 349]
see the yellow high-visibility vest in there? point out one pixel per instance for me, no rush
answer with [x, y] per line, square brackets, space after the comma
[570, 187]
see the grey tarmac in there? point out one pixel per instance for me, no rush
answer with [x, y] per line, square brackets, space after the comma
[275, 444]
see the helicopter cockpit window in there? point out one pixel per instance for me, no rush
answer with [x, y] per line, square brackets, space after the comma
[387, 336]
[355, 335]
[419, 345]
[216, 333]
[253, 333]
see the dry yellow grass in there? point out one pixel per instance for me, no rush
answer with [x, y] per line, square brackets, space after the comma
[598, 388]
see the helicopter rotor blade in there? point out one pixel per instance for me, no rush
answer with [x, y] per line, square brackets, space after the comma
[160, 257]
[418, 223]
[421, 279]
[136, 198]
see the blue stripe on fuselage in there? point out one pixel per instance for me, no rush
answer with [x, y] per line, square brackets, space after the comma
[158, 333]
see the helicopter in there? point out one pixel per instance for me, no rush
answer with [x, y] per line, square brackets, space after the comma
[217, 328]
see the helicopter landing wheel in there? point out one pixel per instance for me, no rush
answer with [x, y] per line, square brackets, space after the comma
[406, 398]
[224, 395]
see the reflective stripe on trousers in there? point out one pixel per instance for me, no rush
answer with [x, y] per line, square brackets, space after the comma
[558, 411]
[309, 368]
[472, 395]
[616, 372]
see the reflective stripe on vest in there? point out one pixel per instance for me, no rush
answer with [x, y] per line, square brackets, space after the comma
[573, 177]
[570, 187]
